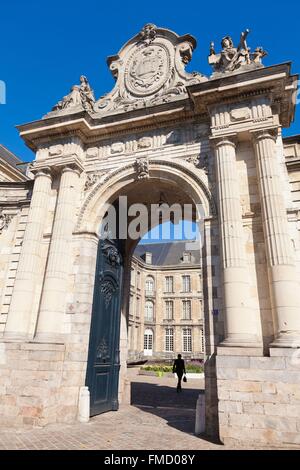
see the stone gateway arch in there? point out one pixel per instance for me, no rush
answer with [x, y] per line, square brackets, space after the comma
[214, 142]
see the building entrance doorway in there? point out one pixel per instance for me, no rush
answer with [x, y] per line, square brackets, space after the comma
[109, 344]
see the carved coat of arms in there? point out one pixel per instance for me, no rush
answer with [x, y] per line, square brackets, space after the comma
[147, 70]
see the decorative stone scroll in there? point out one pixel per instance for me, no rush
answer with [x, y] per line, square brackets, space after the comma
[150, 69]
[201, 162]
[231, 58]
[91, 180]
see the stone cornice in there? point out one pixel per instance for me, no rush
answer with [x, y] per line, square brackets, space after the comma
[275, 81]
[90, 130]
[162, 268]
[56, 165]
[293, 163]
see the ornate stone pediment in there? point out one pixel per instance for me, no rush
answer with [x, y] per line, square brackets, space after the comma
[149, 69]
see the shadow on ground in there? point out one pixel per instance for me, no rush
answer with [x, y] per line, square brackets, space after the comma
[178, 409]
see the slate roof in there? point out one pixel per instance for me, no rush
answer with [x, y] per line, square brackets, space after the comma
[168, 254]
[11, 159]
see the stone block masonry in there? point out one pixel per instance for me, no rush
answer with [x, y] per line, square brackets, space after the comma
[31, 384]
[259, 397]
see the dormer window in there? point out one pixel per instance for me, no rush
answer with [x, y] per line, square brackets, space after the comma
[186, 257]
[148, 258]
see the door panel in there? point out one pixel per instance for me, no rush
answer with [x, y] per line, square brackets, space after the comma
[104, 358]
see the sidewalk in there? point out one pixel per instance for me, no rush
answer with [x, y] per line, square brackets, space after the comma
[158, 419]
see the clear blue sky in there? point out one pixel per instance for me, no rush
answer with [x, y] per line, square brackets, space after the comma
[167, 232]
[45, 46]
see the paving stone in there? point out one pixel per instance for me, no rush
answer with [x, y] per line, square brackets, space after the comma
[159, 418]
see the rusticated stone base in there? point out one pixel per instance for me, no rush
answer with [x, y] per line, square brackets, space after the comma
[40, 382]
[259, 397]
[32, 390]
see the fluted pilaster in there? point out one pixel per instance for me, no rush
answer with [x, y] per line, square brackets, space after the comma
[242, 322]
[50, 321]
[284, 285]
[20, 317]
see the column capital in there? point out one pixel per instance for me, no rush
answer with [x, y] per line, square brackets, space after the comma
[230, 139]
[72, 168]
[259, 134]
[42, 171]
[69, 165]
[56, 166]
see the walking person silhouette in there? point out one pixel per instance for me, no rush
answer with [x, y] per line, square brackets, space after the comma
[179, 369]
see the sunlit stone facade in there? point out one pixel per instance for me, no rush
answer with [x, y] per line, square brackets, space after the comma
[165, 312]
[214, 142]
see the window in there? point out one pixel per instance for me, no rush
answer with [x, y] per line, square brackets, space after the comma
[138, 306]
[132, 279]
[131, 305]
[169, 309]
[169, 340]
[187, 340]
[186, 257]
[186, 310]
[202, 340]
[149, 307]
[186, 283]
[148, 258]
[148, 342]
[149, 284]
[138, 279]
[169, 283]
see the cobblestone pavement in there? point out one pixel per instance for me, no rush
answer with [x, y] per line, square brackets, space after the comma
[158, 419]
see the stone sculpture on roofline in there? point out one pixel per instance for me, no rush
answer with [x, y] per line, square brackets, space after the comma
[150, 70]
[81, 97]
[232, 59]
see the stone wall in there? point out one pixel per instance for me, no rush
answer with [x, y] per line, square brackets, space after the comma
[259, 397]
[30, 384]
[14, 204]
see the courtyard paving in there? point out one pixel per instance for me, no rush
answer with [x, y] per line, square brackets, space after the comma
[159, 418]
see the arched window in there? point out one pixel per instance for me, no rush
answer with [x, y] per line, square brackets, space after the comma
[148, 342]
[149, 285]
[149, 311]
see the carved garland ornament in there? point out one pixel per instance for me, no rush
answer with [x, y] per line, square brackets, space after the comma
[107, 288]
[90, 181]
[4, 221]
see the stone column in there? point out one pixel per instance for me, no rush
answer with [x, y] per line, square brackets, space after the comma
[50, 321]
[242, 322]
[284, 285]
[19, 319]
